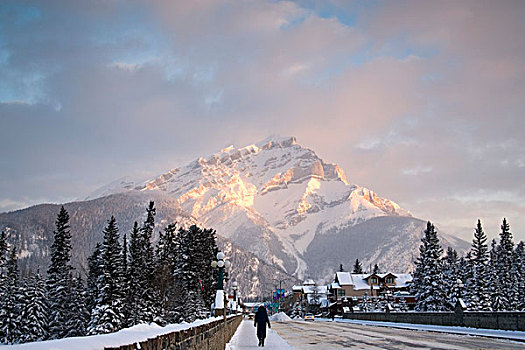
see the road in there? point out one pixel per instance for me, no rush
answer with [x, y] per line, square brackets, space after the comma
[331, 335]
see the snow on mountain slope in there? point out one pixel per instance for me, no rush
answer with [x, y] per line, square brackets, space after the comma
[272, 198]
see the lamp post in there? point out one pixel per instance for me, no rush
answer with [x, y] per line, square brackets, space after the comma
[459, 285]
[460, 305]
[234, 287]
[221, 263]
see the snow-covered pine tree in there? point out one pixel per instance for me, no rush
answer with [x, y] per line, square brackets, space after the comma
[59, 277]
[106, 317]
[3, 250]
[94, 271]
[450, 277]
[465, 274]
[148, 268]
[187, 276]
[478, 284]
[34, 310]
[77, 323]
[494, 285]
[126, 287]
[124, 255]
[357, 267]
[519, 271]
[427, 283]
[504, 271]
[10, 311]
[164, 283]
[136, 279]
[3, 260]
[206, 241]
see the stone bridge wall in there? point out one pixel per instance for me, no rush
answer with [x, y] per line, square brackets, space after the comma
[210, 336]
[492, 320]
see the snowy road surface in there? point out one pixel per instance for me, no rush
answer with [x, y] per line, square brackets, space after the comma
[246, 338]
[334, 335]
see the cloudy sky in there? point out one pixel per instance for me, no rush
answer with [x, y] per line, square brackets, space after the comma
[423, 101]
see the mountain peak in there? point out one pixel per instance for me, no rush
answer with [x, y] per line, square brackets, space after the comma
[277, 141]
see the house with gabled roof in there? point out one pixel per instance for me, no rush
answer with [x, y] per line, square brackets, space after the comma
[348, 284]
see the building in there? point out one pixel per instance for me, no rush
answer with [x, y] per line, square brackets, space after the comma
[310, 297]
[352, 285]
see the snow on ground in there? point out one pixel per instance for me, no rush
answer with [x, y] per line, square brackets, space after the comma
[491, 333]
[125, 336]
[280, 317]
[246, 337]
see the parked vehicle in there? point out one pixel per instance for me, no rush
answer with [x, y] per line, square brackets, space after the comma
[309, 317]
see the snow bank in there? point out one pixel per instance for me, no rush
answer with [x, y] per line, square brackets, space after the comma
[482, 332]
[125, 336]
[280, 317]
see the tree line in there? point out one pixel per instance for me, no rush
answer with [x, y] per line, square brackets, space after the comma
[486, 279]
[129, 281]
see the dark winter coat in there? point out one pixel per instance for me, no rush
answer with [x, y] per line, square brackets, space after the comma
[261, 319]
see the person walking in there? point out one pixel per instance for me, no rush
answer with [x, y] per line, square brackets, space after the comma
[260, 321]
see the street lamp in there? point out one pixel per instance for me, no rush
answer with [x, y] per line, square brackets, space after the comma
[234, 287]
[219, 296]
[459, 285]
[460, 305]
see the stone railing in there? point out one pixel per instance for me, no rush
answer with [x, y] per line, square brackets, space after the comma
[514, 321]
[209, 336]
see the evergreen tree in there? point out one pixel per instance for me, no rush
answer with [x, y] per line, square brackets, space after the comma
[357, 267]
[106, 317]
[34, 310]
[124, 255]
[450, 277]
[148, 274]
[341, 268]
[127, 306]
[207, 251]
[187, 277]
[136, 279]
[465, 273]
[3, 250]
[495, 287]
[94, 271]
[147, 234]
[376, 269]
[427, 283]
[76, 325]
[164, 280]
[519, 271]
[3, 268]
[478, 284]
[505, 273]
[10, 322]
[59, 277]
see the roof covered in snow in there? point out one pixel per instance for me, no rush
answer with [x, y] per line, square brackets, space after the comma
[344, 278]
[359, 280]
[313, 289]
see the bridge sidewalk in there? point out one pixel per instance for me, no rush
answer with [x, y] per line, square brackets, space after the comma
[246, 338]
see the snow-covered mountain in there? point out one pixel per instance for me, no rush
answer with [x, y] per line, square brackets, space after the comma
[281, 201]
[291, 210]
